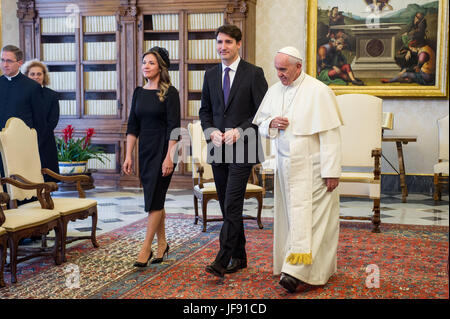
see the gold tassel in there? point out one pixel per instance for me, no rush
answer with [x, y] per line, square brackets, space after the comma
[294, 259]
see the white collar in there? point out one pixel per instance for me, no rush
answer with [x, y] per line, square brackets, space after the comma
[297, 81]
[233, 66]
[10, 77]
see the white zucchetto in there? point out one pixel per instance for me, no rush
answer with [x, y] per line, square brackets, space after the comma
[291, 51]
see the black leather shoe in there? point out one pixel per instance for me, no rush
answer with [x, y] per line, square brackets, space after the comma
[289, 283]
[215, 270]
[235, 265]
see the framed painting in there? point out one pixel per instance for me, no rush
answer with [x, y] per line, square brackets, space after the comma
[395, 48]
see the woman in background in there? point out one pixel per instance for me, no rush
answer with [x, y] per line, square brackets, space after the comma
[155, 119]
[38, 71]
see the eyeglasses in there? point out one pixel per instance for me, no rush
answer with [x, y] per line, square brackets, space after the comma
[7, 61]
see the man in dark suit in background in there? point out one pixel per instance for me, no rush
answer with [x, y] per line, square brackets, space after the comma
[20, 96]
[232, 92]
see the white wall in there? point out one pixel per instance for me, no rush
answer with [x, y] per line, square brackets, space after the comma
[10, 23]
[283, 22]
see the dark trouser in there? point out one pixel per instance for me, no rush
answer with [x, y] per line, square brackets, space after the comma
[2, 174]
[231, 182]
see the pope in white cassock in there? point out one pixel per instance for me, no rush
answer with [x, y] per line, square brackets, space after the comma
[301, 115]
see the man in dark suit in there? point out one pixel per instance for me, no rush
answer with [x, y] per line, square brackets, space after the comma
[232, 92]
[20, 96]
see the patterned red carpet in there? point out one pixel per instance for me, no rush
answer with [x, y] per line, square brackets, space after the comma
[411, 262]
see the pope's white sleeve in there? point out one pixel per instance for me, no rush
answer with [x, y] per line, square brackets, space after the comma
[266, 131]
[330, 153]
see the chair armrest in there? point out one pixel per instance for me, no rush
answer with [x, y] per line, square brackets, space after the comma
[66, 178]
[43, 190]
[50, 186]
[70, 179]
[4, 199]
[376, 154]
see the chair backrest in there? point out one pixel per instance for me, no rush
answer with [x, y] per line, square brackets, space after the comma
[443, 138]
[361, 132]
[199, 150]
[20, 155]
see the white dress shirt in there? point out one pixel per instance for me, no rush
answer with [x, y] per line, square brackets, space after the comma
[233, 67]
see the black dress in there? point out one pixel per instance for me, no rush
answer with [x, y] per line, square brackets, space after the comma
[154, 123]
[47, 149]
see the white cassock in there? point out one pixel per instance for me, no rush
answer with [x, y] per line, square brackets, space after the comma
[306, 221]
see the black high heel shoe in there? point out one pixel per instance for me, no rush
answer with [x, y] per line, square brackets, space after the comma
[141, 265]
[160, 260]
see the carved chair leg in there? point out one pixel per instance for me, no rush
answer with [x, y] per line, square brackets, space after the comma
[376, 219]
[441, 185]
[65, 223]
[58, 242]
[436, 188]
[44, 241]
[3, 249]
[94, 230]
[204, 208]
[259, 197]
[195, 210]
[13, 247]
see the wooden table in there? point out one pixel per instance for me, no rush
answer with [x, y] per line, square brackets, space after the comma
[399, 141]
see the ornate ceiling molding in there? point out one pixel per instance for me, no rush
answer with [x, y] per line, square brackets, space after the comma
[237, 7]
[26, 10]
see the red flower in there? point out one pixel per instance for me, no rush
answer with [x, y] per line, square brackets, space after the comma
[89, 132]
[68, 132]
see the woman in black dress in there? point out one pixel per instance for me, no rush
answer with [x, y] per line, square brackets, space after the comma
[155, 119]
[38, 71]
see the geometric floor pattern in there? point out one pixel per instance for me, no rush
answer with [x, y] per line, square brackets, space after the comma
[120, 207]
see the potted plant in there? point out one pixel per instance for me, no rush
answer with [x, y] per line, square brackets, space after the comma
[74, 153]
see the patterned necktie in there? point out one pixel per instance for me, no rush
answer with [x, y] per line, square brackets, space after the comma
[226, 85]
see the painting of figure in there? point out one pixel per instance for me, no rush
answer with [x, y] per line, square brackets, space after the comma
[377, 43]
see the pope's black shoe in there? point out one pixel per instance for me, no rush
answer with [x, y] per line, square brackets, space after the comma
[288, 282]
[215, 269]
[235, 265]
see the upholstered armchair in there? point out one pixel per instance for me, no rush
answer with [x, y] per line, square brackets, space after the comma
[203, 180]
[361, 151]
[441, 168]
[17, 224]
[20, 154]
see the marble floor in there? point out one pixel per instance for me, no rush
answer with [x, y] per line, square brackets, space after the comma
[120, 207]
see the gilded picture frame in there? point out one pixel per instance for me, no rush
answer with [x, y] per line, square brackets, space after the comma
[361, 46]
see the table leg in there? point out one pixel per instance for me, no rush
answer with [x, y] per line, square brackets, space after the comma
[401, 166]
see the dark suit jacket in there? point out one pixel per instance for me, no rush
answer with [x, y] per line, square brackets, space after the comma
[47, 149]
[246, 93]
[22, 97]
